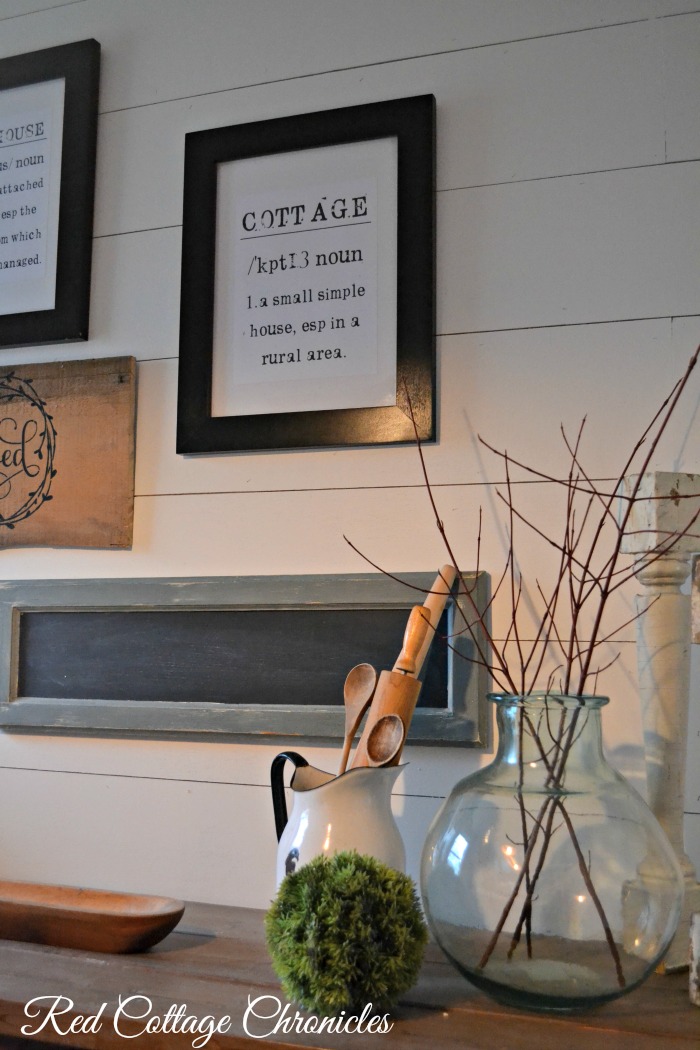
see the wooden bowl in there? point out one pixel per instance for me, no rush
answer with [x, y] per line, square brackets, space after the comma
[92, 920]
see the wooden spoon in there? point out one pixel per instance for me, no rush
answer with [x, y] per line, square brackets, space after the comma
[385, 740]
[397, 690]
[357, 693]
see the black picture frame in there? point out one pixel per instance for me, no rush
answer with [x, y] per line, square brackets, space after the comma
[409, 121]
[78, 65]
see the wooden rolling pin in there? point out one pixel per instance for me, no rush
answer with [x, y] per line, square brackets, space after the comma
[435, 602]
[397, 690]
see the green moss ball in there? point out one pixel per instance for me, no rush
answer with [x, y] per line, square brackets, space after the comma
[344, 931]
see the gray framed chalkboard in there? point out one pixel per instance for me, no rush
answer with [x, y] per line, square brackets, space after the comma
[253, 655]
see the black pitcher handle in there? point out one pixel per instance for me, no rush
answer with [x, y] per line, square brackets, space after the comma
[279, 799]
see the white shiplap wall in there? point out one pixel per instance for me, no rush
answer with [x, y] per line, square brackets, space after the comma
[568, 263]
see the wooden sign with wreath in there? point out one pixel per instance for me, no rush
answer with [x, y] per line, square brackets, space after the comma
[67, 454]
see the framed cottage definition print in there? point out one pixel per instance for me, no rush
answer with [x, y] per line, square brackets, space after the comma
[307, 305]
[48, 136]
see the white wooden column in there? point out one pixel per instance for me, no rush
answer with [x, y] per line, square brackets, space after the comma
[663, 662]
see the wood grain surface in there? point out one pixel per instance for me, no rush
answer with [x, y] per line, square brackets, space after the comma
[216, 962]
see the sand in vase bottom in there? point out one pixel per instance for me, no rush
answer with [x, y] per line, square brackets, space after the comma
[560, 974]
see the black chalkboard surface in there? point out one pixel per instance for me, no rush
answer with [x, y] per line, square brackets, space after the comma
[223, 656]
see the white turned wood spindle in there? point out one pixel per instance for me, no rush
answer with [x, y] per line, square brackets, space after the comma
[694, 959]
[665, 504]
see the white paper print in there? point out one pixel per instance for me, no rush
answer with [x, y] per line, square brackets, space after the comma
[305, 302]
[31, 134]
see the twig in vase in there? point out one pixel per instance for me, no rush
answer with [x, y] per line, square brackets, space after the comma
[588, 571]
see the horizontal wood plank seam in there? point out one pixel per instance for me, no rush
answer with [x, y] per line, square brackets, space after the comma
[177, 780]
[40, 11]
[497, 331]
[362, 488]
[420, 56]
[662, 164]
[568, 175]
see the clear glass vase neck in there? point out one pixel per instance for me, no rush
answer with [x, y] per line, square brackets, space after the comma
[549, 740]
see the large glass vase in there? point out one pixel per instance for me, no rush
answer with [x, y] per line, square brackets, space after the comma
[546, 879]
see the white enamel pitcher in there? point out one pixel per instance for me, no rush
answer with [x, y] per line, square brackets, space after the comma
[334, 813]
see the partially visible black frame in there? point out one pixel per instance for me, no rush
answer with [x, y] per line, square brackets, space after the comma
[412, 122]
[79, 65]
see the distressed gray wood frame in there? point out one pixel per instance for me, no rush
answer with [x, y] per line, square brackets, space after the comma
[464, 722]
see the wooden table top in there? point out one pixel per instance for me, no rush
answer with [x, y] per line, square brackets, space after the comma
[215, 963]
